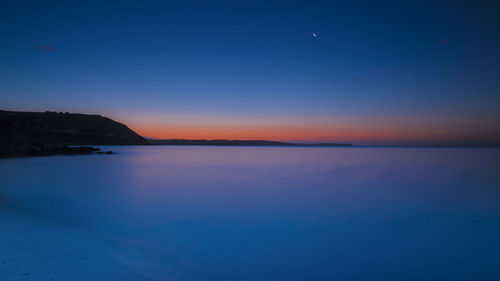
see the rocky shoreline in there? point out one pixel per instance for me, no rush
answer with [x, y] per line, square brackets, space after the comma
[44, 149]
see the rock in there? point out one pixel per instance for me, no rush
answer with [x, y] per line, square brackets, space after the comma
[45, 149]
[105, 152]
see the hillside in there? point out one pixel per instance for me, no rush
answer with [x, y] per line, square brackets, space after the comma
[64, 128]
[237, 143]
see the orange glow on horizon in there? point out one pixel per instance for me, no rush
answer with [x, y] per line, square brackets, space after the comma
[307, 133]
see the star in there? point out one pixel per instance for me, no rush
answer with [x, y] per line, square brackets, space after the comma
[315, 35]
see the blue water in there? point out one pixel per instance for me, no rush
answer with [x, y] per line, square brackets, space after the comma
[252, 213]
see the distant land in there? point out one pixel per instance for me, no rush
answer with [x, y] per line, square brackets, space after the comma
[64, 129]
[224, 142]
[49, 133]
[52, 133]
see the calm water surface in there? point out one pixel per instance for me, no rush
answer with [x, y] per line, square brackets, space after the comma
[252, 213]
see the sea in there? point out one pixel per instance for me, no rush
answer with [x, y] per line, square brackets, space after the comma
[252, 213]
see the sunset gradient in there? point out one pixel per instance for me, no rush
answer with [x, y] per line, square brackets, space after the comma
[353, 71]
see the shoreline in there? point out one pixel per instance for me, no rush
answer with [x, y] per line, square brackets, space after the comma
[12, 150]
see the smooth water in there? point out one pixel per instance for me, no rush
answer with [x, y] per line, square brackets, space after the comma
[252, 213]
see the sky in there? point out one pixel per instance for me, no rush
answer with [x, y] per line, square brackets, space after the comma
[356, 71]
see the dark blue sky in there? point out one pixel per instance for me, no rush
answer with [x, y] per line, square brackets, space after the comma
[375, 71]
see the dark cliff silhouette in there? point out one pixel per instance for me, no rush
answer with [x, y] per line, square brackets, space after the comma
[64, 129]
